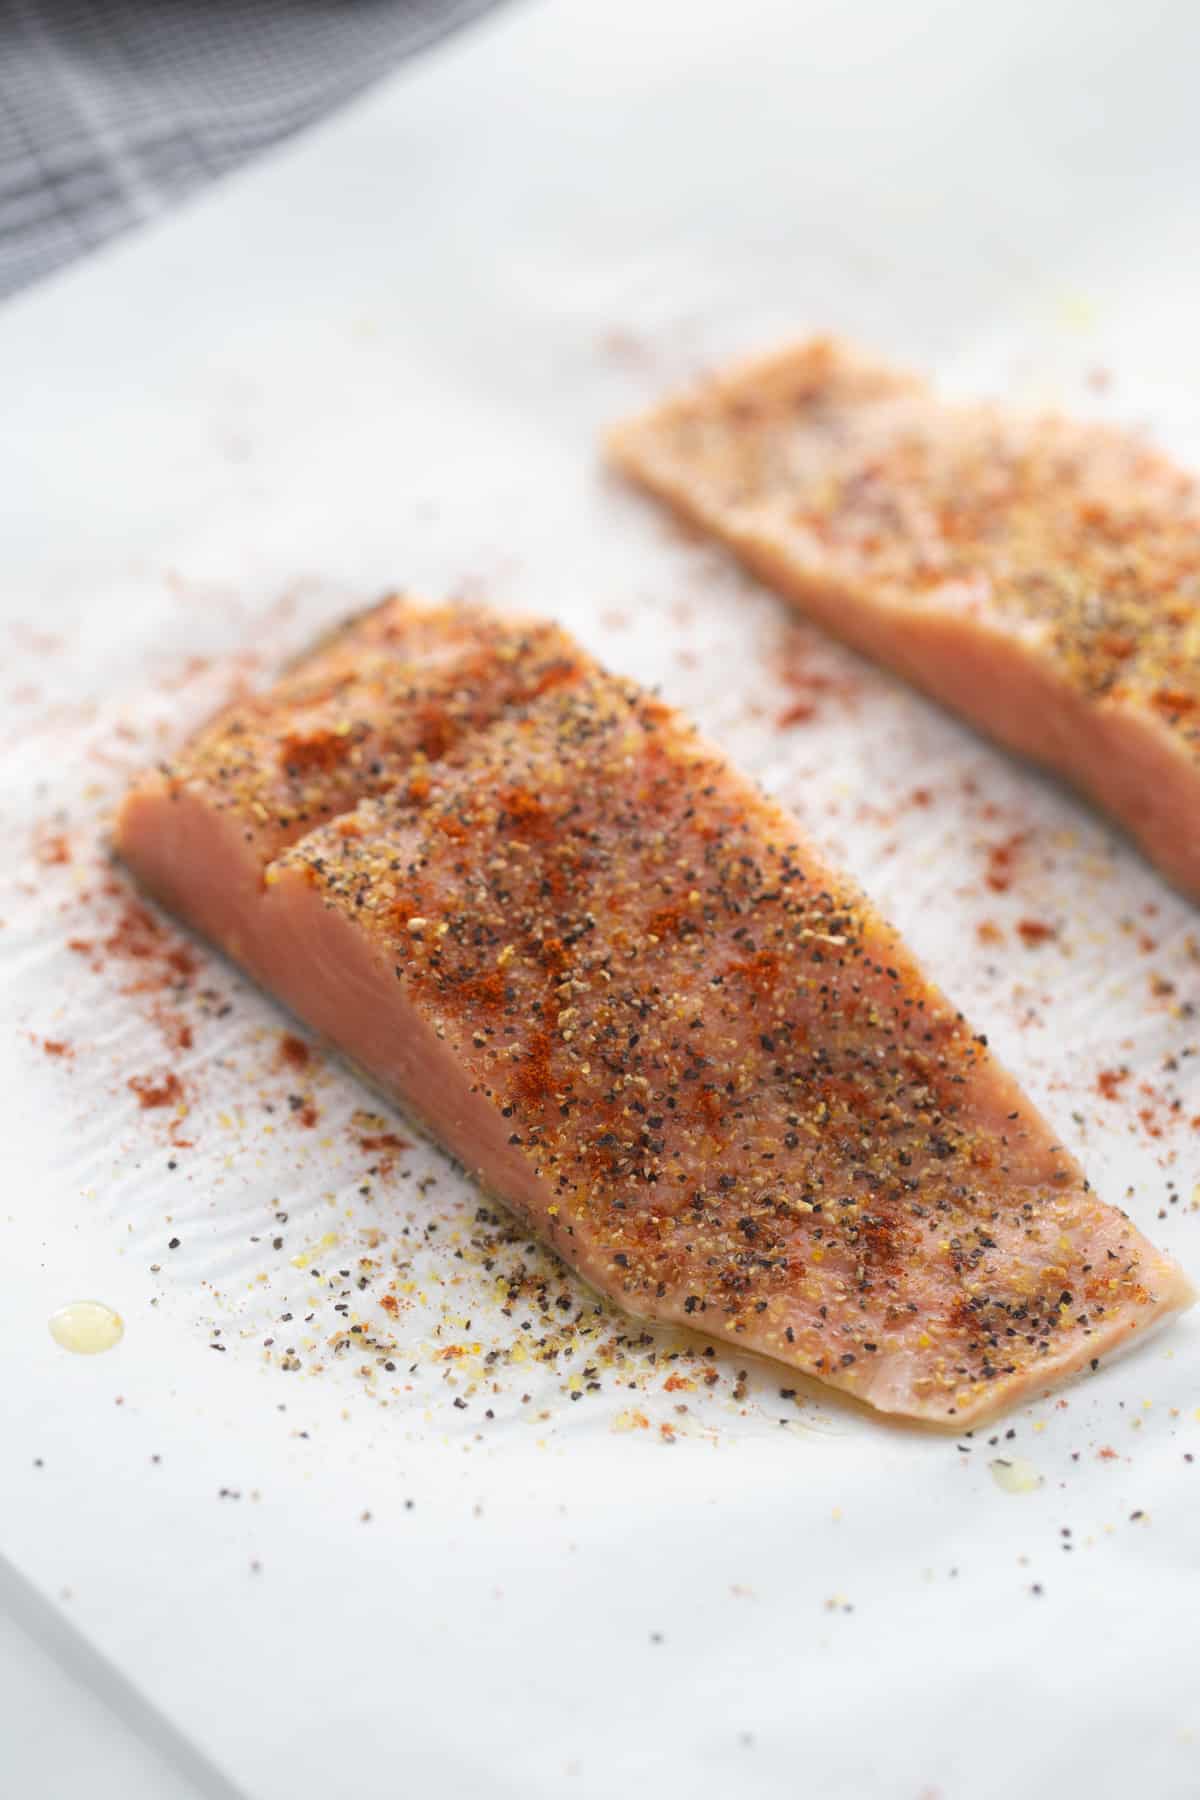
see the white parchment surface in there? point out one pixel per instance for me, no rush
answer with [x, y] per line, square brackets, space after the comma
[374, 1499]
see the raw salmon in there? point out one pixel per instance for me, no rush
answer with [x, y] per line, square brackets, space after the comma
[378, 698]
[614, 980]
[1039, 575]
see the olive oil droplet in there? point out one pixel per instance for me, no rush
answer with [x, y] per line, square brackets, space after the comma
[87, 1327]
[1014, 1475]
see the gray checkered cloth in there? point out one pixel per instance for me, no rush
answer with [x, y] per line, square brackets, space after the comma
[112, 110]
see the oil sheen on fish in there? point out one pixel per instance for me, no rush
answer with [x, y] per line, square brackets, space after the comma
[618, 984]
[1038, 575]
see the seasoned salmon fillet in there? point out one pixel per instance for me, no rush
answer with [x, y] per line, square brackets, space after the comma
[615, 981]
[389, 691]
[1038, 575]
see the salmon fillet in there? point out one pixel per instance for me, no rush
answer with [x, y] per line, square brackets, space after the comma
[613, 979]
[1038, 575]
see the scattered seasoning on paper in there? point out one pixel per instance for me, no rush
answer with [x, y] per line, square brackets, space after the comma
[157, 1090]
[1002, 861]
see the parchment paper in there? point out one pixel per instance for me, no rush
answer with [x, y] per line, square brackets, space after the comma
[498, 1540]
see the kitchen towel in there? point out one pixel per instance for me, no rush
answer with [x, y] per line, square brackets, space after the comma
[112, 110]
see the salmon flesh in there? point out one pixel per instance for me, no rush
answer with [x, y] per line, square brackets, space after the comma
[617, 983]
[1038, 575]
